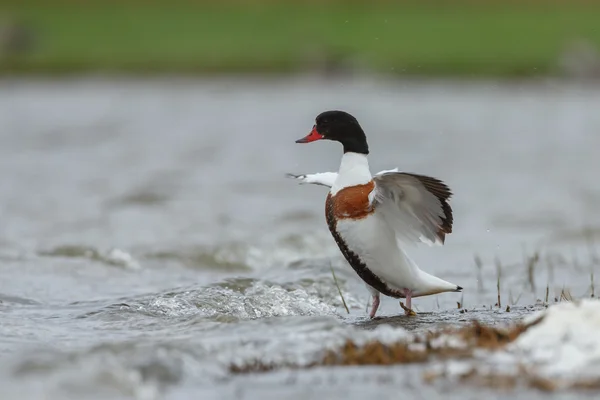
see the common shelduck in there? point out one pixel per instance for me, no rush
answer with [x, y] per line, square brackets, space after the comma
[371, 217]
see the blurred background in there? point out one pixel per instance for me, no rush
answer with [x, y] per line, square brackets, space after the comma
[398, 38]
[143, 149]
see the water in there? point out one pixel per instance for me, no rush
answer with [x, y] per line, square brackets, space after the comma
[150, 240]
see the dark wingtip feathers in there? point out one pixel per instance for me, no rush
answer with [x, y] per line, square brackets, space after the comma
[442, 236]
[458, 289]
[443, 193]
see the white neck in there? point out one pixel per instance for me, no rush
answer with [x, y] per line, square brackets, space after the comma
[354, 170]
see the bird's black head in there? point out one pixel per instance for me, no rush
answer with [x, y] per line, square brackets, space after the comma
[341, 127]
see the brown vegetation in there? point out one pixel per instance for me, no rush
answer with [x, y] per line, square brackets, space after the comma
[417, 350]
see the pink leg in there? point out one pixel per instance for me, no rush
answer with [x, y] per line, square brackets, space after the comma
[374, 306]
[408, 294]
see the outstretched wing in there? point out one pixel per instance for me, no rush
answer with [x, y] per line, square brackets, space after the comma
[320, 178]
[323, 178]
[416, 206]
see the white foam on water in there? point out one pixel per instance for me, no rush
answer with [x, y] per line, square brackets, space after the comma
[562, 344]
[121, 258]
[565, 343]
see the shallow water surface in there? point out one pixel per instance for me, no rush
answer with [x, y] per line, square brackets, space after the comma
[150, 240]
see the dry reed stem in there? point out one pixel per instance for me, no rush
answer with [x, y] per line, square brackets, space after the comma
[479, 266]
[531, 264]
[498, 278]
[518, 298]
[565, 295]
[339, 290]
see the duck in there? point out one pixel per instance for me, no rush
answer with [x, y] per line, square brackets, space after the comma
[373, 218]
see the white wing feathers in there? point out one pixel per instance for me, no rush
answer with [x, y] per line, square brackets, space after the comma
[415, 206]
[321, 178]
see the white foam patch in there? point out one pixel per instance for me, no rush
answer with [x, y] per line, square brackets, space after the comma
[562, 345]
[565, 343]
[121, 258]
[114, 256]
[448, 341]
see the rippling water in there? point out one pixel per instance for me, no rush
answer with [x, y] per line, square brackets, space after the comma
[149, 239]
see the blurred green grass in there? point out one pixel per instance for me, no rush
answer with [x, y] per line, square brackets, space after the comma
[425, 38]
